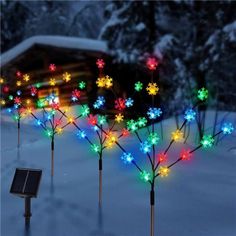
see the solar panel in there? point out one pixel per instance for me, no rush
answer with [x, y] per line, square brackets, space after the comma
[26, 182]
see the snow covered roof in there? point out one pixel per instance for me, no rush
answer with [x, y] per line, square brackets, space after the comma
[55, 41]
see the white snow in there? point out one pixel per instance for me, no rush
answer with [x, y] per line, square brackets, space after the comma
[197, 199]
[55, 41]
[164, 43]
[231, 30]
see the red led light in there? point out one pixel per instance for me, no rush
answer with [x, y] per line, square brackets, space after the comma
[52, 67]
[125, 132]
[100, 63]
[152, 63]
[185, 155]
[76, 93]
[92, 120]
[162, 157]
[5, 89]
[18, 74]
[120, 104]
[17, 100]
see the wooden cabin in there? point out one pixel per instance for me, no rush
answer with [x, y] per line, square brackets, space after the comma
[33, 56]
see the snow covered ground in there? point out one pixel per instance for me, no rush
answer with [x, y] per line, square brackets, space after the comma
[197, 199]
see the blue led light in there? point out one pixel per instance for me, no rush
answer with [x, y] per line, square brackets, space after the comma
[99, 102]
[127, 158]
[145, 147]
[190, 115]
[227, 128]
[18, 92]
[81, 134]
[129, 102]
[154, 112]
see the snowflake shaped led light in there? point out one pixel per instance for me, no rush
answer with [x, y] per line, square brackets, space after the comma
[52, 67]
[142, 121]
[177, 135]
[186, 154]
[52, 82]
[190, 115]
[101, 120]
[129, 102]
[145, 147]
[227, 128]
[152, 88]
[92, 120]
[95, 148]
[99, 102]
[85, 110]
[101, 82]
[100, 63]
[162, 157]
[202, 94]
[153, 138]
[152, 63]
[66, 77]
[138, 86]
[26, 77]
[127, 158]
[119, 118]
[81, 134]
[207, 141]
[82, 84]
[132, 125]
[164, 171]
[154, 112]
[145, 176]
[120, 104]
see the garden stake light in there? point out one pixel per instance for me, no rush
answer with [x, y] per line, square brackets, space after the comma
[148, 146]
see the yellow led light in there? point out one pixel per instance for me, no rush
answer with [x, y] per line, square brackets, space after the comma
[111, 140]
[26, 77]
[1, 80]
[3, 102]
[119, 118]
[28, 101]
[177, 135]
[70, 120]
[152, 89]
[52, 82]
[59, 130]
[164, 171]
[101, 82]
[18, 83]
[108, 82]
[66, 77]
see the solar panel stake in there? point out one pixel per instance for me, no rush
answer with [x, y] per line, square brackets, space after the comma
[25, 184]
[27, 214]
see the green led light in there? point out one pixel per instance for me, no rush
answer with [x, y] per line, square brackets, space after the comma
[142, 121]
[202, 94]
[82, 85]
[41, 103]
[95, 148]
[16, 117]
[145, 176]
[85, 110]
[38, 85]
[153, 138]
[138, 86]
[10, 97]
[101, 120]
[132, 125]
[48, 133]
[207, 141]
